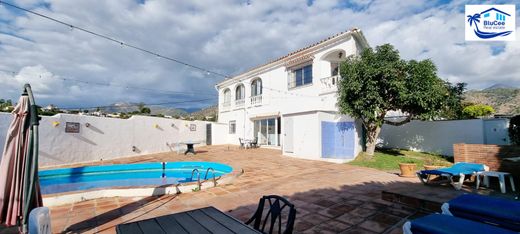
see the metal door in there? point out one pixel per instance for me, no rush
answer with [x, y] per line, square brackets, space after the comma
[208, 134]
[288, 135]
[496, 131]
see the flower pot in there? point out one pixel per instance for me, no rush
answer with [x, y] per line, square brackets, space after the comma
[408, 169]
[431, 167]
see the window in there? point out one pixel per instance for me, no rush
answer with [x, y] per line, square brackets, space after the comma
[256, 87]
[232, 126]
[240, 92]
[227, 96]
[300, 76]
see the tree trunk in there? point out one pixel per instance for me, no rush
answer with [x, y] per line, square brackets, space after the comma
[372, 134]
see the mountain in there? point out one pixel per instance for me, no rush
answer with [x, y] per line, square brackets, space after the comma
[208, 113]
[190, 110]
[131, 107]
[166, 111]
[503, 98]
[499, 86]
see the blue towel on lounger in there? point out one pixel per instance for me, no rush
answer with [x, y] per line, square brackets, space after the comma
[499, 211]
[445, 224]
[456, 169]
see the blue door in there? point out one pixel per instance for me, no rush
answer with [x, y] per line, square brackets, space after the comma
[337, 140]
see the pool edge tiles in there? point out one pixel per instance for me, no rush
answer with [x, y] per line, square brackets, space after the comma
[62, 198]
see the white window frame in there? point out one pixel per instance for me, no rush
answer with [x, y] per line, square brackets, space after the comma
[232, 127]
[292, 75]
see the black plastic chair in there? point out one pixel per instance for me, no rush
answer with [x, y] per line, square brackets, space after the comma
[275, 212]
[254, 143]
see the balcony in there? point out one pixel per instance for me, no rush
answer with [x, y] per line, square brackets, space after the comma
[329, 84]
[239, 103]
[226, 106]
[256, 100]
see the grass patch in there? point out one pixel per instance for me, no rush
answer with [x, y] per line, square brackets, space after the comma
[389, 159]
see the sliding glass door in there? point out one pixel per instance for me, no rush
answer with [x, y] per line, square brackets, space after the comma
[266, 131]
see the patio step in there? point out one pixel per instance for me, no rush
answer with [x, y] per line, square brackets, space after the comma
[421, 204]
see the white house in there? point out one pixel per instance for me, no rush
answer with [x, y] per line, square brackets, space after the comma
[290, 103]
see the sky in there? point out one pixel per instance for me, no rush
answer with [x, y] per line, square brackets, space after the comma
[225, 36]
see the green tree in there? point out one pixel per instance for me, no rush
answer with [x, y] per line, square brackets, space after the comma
[514, 130]
[478, 110]
[378, 81]
[454, 102]
[145, 110]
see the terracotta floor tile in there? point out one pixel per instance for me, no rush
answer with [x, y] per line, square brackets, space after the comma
[315, 218]
[338, 195]
[375, 226]
[350, 219]
[337, 210]
[357, 230]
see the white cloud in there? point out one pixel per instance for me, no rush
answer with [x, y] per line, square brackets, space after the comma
[226, 36]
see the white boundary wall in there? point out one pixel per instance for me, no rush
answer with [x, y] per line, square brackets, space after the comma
[219, 133]
[108, 138]
[439, 136]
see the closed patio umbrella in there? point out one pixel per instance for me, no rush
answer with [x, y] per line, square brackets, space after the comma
[19, 186]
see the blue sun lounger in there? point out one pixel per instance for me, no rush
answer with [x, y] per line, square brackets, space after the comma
[497, 211]
[445, 224]
[459, 170]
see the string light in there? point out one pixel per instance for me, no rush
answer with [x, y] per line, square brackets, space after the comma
[121, 86]
[115, 40]
[145, 104]
[121, 43]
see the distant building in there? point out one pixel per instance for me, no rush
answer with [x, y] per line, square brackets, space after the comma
[99, 114]
[50, 107]
[113, 115]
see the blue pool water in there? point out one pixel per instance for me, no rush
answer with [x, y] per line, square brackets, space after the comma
[142, 174]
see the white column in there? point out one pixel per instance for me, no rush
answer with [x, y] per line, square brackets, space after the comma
[276, 130]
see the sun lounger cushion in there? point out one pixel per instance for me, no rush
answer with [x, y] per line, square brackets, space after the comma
[499, 211]
[445, 224]
[456, 169]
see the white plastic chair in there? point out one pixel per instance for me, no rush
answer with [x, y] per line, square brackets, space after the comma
[40, 221]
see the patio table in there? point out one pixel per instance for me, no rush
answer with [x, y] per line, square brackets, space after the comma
[189, 147]
[204, 220]
[247, 143]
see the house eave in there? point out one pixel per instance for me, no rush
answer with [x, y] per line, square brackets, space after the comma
[353, 33]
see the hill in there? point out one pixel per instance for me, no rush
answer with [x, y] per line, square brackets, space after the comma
[131, 107]
[504, 99]
[211, 111]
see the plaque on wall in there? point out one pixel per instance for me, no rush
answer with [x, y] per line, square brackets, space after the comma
[72, 127]
[193, 127]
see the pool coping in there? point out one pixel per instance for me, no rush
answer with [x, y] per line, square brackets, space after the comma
[57, 199]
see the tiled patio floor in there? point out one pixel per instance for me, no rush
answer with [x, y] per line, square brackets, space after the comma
[330, 198]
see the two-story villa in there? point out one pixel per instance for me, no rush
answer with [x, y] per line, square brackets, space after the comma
[290, 103]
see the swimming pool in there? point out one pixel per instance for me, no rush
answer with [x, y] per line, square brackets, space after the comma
[127, 175]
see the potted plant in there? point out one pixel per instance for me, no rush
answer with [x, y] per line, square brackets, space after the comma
[431, 164]
[408, 169]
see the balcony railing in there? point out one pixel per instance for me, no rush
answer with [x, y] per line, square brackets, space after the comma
[256, 100]
[226, 106]
[329, 84]
[239, 103]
